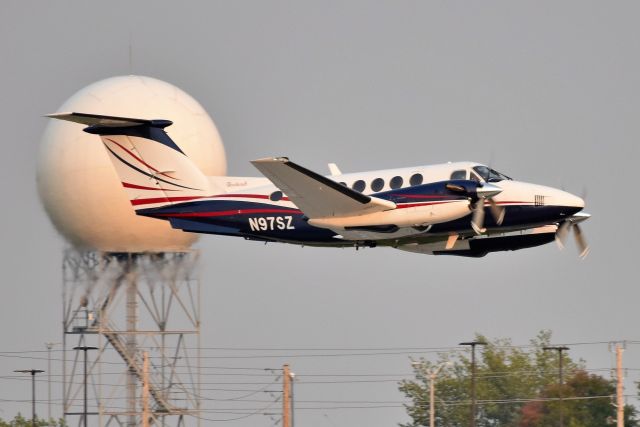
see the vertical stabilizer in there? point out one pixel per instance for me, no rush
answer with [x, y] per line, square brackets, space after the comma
[152, 169]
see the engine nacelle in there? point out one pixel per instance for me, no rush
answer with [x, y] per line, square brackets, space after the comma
[406, 215]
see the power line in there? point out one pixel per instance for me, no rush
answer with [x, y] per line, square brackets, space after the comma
[368, 350]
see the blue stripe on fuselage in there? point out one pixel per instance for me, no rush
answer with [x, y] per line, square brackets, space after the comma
[265, 220]
[280, 222]
[435, 191]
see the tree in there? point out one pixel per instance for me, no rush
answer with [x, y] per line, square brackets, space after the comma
[20, 421]
[588, 403]
[516, 387]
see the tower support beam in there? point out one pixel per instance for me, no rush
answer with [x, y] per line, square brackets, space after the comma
[127, 305]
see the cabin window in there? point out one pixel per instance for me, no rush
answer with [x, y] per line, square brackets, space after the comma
[396, 182]
[275, 196]
[377, 184]
[343, 183]
[461, 174]
[359, 185]
[416, 179]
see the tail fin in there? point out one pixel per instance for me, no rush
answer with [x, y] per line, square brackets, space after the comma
[152, 168]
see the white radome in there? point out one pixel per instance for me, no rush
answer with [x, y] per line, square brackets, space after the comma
[78, 185]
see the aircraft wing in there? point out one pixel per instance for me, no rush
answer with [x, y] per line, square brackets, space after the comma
[315, 195]
[477, 246]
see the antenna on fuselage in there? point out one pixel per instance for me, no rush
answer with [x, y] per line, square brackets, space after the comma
[334, 170]
[130, 52]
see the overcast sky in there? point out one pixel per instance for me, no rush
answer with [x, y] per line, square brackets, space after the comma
[545, 91]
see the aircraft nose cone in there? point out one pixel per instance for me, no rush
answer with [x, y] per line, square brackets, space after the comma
[488, 190]
[572, 200]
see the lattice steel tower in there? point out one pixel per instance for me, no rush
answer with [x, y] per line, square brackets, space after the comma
[124, 304]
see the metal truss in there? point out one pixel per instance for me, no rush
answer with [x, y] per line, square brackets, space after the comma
[126, 305]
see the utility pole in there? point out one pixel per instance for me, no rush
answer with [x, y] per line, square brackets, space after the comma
[472, 414]
[49, 346]
[145, 389]
[292, 376]
[433, 373]
[33, 373]
[559, 349]
[286, 396]
[619, 387]
[85, 349]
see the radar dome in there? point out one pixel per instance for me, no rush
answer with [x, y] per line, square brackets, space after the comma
[78, 185]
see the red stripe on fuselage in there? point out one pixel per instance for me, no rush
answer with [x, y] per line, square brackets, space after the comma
[187, 198]
[212, 214]
[228, 213]
[424, 196]
[260, 211]
[136, 202]
[415, 205]
[248, 196]
[256, 196]
[252, 196]
[513, 203]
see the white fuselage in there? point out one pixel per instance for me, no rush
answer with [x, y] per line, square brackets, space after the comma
[514, 193]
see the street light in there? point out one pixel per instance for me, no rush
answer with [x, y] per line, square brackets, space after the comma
[85, 349]
[559, 349]
[33, 373]
[473, 344]
[432, 374]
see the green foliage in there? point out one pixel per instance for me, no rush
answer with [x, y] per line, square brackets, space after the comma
[20, 421]
[585, 408]
[516, 387]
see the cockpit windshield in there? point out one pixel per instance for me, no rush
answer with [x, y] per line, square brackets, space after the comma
[490, 175]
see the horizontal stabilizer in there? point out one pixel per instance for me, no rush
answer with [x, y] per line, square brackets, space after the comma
[315, 195]
[107, 121]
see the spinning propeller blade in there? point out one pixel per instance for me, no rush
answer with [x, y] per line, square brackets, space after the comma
[562, 233]
[496, 211]
[477, 221]
[483, 192]
[583, 247]
[486, 192]
[572, 224]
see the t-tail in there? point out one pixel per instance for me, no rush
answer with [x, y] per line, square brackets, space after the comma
[153, 170]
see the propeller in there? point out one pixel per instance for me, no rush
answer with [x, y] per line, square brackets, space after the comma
[486, 193]
[571, 224]
[477, 220]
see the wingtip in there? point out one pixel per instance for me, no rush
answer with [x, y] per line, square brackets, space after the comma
[271, 160]
[58, 115]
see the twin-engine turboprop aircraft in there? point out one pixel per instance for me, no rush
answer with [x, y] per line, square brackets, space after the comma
[464, 208]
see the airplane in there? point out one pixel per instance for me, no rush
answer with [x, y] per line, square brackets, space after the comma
[463, 208]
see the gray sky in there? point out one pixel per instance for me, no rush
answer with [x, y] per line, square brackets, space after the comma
[548, 92]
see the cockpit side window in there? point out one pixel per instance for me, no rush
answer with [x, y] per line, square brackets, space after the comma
[461, 174]
[474, 177]
[490, 175]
